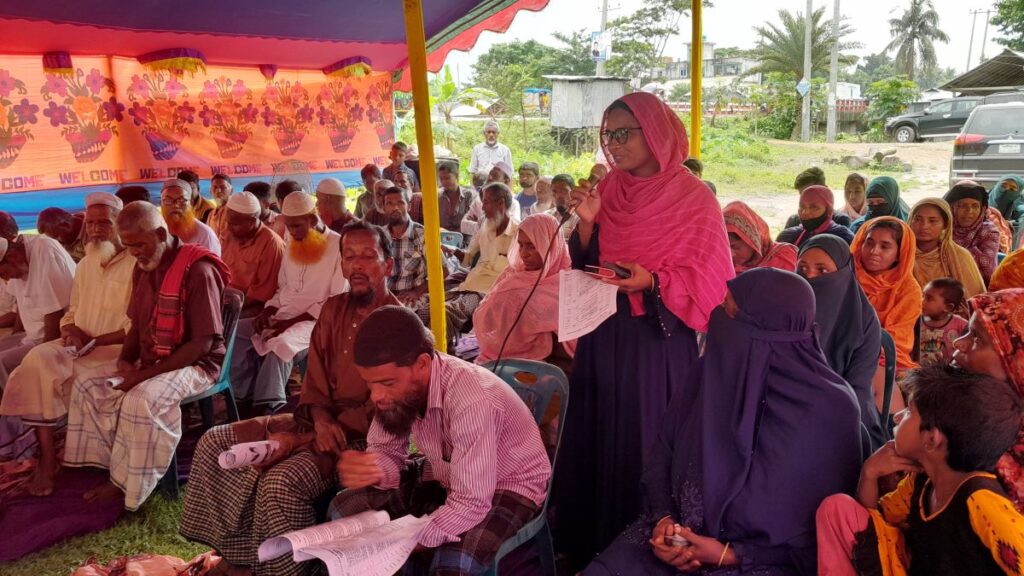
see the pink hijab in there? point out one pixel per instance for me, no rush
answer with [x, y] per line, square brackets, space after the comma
[669, 223]
[532, 337]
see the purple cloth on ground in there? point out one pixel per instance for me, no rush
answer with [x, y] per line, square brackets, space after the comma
[30, 524]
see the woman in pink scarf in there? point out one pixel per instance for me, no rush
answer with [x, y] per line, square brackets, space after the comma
[751, 242]
[653, 217]
[533, 337]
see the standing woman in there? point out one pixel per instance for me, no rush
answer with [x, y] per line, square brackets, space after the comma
[937, 255]
[848, 327]
[653, 217]
[994, 345]
[971, 227]
[883, 255]
[883, 200]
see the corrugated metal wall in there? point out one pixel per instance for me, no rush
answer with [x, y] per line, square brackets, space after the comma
[580, 104]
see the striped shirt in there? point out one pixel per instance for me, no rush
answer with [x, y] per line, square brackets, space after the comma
[478, 437]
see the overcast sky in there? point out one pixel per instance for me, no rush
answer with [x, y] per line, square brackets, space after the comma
[732, 22]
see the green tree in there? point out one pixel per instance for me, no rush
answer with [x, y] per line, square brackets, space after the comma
[913, 37]
[679, 91]
[780, 47]
[733, 52]
[572, 58]
[934, 77]
[1009, 19]
[889, 98]
[639, 39]
[509, 87]
[534, 56]
[446, 96]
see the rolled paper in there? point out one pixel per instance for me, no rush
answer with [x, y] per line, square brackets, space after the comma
[175, 60]
[247, 454]
[58, 63]
[268, 71]
[349, 67]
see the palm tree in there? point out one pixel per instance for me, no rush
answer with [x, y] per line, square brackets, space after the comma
[446, 96]
[913, 36]
[780, 47]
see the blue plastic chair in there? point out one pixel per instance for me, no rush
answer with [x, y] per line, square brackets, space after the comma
[889, 349]
[452, 239]
[232, 309]
[536, 383]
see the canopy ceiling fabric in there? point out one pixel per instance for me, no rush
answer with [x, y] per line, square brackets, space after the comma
[306, 34]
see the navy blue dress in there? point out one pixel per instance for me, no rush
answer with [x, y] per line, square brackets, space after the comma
[623, 378]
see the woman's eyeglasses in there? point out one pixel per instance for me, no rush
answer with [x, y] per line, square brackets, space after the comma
[620, 135]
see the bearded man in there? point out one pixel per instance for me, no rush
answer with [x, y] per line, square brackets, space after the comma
[64, 227]
[180, 216]
[330, 204]
[221, 189]
[201, 206]
[129, 420]
[234, 511]
[268, 345]
[91, 332]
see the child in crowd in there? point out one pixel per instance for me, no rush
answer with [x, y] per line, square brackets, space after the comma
[399, 152]
[948, 515]
[855, 191]
[939, 326]
[697, 168]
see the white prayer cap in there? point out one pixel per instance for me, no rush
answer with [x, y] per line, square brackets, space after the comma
[330, 187]
[504, 167]
[103, 199]
[298, 203]
[178, 183]
[244, 203]
[491, 125]
[382, 185]
[3, 248]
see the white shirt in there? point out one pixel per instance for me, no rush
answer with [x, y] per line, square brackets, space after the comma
[204, 236]
[471, 221]
[7, 302]
[47, 287]
[304, 288]
[484, 157]
[493, 250]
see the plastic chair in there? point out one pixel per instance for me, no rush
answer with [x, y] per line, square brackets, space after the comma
[452, 239]
[1000, 256]
[232, 309]
[889, 349]
[536, 383]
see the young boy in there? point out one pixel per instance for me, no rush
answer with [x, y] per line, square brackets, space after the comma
[399, 151]
[938, 326]
[948, 515]
[529, 173]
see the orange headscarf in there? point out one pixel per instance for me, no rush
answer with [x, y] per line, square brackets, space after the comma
[894, 293]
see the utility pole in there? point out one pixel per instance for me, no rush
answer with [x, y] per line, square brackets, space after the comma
[604, 26]
[970, 47]
[984, 37]
[805, 130]
[833, 77]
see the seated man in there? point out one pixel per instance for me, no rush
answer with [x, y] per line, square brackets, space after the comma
[38, 390]
[234, 511]
[261, 190]
[64, 227]
[201, 207]
[39, 273]
[8, 306]
[500, 173]
[181, 220]
[330, 204]
[453, 200]
[174, 349]
[376, 215]
[408, 281]
[561, 190]
[492, 243]
[479, 440]
[267, 345]
[370, 174]
[129, 194]
[220, 189]
[252, 252]
[281, 191]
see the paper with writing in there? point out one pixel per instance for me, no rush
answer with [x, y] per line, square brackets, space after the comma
[584, 303]
[379, 551]
[338, 529]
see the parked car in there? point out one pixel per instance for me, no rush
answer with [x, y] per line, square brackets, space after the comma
[943, 118]
[990, 145]
[1004, 97]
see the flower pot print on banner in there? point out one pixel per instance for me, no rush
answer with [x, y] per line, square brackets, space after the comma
[288, 114]
[16, 114]
[339, 111]
[85, 108]
[228, 113]
[163, 146]
[160, 107]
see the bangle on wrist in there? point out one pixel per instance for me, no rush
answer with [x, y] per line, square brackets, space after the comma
[725, 551]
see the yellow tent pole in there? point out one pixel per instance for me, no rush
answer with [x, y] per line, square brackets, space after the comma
[696, 77]
[416, 44]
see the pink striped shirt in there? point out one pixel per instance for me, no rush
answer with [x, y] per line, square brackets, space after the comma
[478, 437]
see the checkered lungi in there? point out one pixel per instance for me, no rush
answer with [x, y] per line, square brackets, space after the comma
[234, 511]
[473, 554]
[132, 434]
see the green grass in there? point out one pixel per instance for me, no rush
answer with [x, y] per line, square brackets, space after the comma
[153, 529]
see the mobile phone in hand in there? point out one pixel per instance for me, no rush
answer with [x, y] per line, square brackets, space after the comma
[619, 271]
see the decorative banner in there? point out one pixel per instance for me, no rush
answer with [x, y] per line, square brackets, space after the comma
[115, 121]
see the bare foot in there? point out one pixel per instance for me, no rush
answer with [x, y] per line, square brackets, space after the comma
[42, 480]
[104, 493]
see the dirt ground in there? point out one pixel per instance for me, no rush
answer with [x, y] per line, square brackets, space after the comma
[929, 177]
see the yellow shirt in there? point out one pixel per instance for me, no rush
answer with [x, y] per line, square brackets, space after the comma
[99, 295]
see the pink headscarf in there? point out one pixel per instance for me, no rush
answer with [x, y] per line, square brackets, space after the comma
[532, 337]
[669, 223]
[822, 195]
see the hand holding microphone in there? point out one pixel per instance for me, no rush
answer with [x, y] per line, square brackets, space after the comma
[586, 200]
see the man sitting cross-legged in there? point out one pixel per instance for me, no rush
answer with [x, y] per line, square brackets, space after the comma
[39, 389]
[234, 511]
[252, 251]
[267, 345]
[173, 350]
[480, 443]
